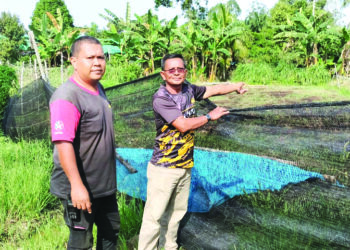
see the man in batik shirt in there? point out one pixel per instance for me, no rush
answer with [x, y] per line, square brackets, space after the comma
[169, 171]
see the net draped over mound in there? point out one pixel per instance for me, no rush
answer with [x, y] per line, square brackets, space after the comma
[313, 136]
[275, 145]
[217, 176]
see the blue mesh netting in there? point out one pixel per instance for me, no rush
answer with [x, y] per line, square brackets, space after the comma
[216, 177]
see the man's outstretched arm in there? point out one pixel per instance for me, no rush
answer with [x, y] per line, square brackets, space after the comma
[223, 89]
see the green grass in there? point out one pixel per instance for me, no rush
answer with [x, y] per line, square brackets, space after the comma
[302, 204]
[119, 71]
[283, 73]
[32, 218]
[49, 233]
[131, 211]
[24, 176]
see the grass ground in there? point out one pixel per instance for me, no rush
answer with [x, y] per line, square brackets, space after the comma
[261, 95]
[30, 217]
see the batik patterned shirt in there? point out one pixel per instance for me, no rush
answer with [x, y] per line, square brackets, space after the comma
[172, 148]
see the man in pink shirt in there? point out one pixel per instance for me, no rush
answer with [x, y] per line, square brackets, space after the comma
[84, 175]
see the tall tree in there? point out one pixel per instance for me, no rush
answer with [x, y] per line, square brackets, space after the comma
[191, 42]
[11, 37]
[193, 8]
[185, 4]
[44, 6]
[63, 38]
[256, 19]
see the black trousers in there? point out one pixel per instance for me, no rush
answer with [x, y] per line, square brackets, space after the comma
[106, 217]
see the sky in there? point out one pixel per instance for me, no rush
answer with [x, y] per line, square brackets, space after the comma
[84, 12]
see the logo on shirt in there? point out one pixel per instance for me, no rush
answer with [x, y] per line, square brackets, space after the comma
[59, 125]
[190, 110]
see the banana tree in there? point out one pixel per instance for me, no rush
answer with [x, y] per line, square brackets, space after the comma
[63, 38]
[55, 41]
[190, 41]
[223, 31]
[307, 33]
[169, 31]
[46, 48]
[121, 32]
[149, 33]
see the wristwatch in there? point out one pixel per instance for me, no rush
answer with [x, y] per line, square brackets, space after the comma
[208, 117]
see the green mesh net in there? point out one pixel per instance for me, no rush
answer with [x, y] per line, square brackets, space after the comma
[313, 136]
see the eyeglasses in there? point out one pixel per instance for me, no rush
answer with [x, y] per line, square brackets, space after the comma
[173, 70]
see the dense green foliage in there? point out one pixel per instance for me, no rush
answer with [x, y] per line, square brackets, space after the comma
[24, 171]
[31, 217]
[53, 27]
[11, 37]
[292, 33]
[185, 4]
[8, 80]
[214, 42]
[120, 71]
[44, 6]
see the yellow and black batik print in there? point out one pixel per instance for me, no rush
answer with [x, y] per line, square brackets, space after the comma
[174, 149]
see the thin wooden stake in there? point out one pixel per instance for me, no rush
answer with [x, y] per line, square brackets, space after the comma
[62, 68]
[35, 70]
[46, 72]
[33, 43]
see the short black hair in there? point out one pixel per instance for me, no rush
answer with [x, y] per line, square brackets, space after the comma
[78, 42]
[171, 56]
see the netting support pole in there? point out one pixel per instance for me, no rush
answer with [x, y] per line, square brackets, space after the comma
[21, 79]
[35, 75]
[62, 68]
[33, 43]
[31, 66]
[46, 72]
[21, 85]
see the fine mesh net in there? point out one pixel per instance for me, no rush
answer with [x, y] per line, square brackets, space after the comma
[252, 149]
[133, 112]
[27, 114]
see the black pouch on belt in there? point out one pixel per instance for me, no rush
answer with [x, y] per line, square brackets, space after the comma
[74, 217]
